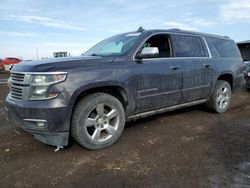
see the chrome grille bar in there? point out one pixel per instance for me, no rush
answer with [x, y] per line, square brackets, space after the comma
[17, 84]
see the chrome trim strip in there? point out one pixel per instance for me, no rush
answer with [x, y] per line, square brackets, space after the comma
[158, 94]
[36, 120]
[172, 58]
[42, 99]
[171, 92]
[38, 73]
[196, 87]
[167, 33]
[208, 49]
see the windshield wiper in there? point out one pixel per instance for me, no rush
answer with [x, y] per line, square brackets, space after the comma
[95, 55]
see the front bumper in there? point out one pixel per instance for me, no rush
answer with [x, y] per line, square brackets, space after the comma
[47, 121]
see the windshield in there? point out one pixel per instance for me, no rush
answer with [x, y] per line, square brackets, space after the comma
[116, 45]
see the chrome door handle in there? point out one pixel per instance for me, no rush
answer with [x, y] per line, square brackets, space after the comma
[174, 67]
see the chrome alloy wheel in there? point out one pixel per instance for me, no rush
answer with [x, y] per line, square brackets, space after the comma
[223, 98]
[102, 123]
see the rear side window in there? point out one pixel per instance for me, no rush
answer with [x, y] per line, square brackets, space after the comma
[189, 46]
[222, 47]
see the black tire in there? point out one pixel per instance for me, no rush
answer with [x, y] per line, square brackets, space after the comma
[221, 97]
[93, 125]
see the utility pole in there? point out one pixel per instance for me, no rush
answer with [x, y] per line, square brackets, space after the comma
[37, 53]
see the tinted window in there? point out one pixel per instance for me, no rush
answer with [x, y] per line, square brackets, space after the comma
[189, 46]
[160, 41]
[222, 47]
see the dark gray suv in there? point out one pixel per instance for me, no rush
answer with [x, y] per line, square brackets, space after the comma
[122, 78]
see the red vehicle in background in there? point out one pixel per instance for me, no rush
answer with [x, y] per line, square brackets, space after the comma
[8, 62]
[11, 61]
[2, 68]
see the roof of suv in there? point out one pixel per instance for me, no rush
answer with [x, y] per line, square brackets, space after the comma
[244, 42]
[185, 32]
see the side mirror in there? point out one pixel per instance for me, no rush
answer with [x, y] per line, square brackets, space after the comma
[148, 52]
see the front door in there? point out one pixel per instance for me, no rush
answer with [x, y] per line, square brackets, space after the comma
[160, 78]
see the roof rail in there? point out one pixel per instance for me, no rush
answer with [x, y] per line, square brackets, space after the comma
[175, 29]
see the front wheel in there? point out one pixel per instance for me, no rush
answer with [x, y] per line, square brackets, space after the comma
[221, 97]
[98, 121]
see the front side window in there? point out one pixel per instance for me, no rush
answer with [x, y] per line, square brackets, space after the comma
[162, 42]
[189, 46]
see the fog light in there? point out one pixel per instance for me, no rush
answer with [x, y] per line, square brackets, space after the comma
[35, 123]
[39, 90]
[40, 124]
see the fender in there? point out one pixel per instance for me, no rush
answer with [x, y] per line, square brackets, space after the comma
[130, 96]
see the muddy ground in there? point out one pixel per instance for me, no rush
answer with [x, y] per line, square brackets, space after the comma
[191, 147]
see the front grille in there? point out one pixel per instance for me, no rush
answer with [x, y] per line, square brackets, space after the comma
[16, 92]
[17, 77]
[17, 86]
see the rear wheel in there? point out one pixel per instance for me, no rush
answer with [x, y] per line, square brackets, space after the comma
[98, 121]
[221, 97]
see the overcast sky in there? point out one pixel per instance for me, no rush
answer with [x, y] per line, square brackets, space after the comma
[74, 26]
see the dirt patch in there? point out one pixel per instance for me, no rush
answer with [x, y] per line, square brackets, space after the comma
[191, 147]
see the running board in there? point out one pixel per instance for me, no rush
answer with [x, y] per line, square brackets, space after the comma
[163, 110]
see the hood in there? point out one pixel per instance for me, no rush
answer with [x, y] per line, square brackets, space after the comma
[60, 64]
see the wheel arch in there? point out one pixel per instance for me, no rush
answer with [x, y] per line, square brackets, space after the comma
[115, 90]
[228, 77]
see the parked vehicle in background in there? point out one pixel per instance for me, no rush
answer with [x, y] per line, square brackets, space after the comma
[244, 47]
[122, 78]
[2, 68]
[8, 62]
[246, 68]
[247, 74]
[11, 61]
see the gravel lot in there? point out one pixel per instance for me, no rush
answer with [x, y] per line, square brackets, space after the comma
[191, 147]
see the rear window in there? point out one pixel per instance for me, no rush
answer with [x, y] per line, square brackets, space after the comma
[222, 48]
[189, 46]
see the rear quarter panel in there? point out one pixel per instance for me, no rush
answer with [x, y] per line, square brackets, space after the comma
[231, 66]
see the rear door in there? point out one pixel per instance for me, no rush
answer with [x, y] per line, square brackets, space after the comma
[196, 61]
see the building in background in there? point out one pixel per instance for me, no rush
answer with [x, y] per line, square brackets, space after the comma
[61, 54]
[244, 47]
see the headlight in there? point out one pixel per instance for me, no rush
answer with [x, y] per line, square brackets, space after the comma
[248, 74]
[47, 79]
[41, 85]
